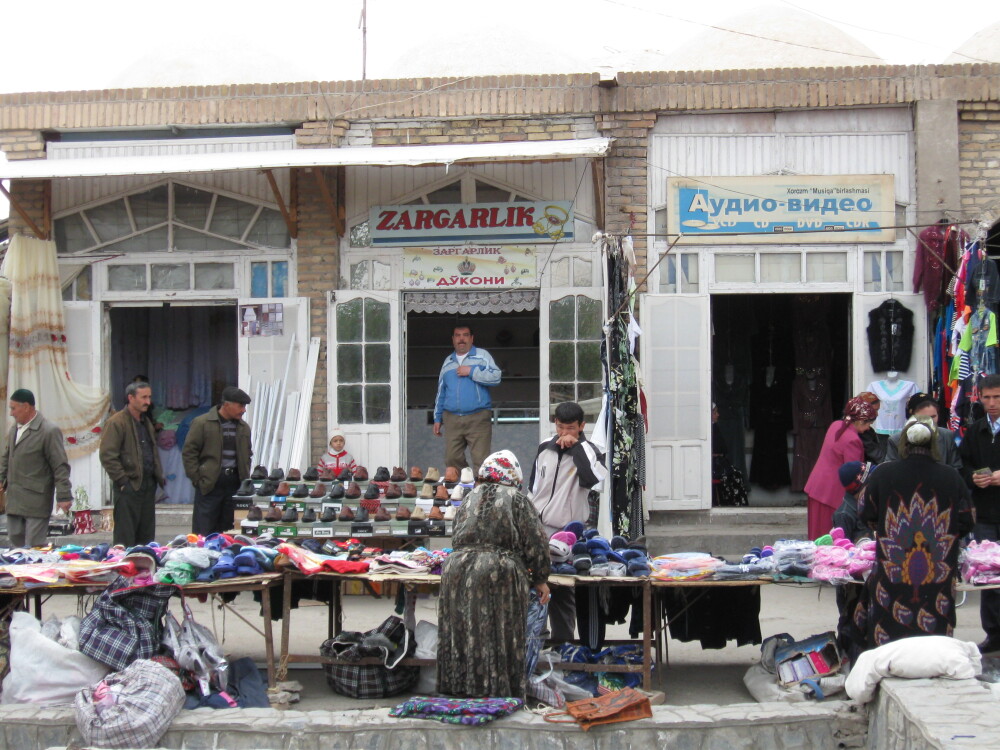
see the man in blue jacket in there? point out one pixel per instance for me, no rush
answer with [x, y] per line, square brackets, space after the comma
[463, 406]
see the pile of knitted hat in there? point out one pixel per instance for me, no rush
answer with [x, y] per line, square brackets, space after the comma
[579, 551]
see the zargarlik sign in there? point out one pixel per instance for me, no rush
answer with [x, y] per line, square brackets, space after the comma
[788, 208]
[478, 222]
[476, 267]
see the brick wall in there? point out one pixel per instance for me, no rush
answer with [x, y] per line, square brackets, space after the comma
[979, 158]
[32, 196]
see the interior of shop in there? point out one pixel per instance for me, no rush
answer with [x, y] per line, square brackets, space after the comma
[781, 368]
[511, 338]
[188, 354]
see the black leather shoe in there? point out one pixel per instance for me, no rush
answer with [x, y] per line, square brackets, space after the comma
[336, 491]
[990, 645]
[276, 475]
[259, 472]
[361, 516]
[301, 491]
[310, 475]
[266, 489]
[309, 516]
[255, 513]
[381, 474]
[246, 489]
[371, 492]
[345, 475]
[329, 515]
[291, 515]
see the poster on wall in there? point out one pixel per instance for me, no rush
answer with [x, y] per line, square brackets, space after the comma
[470, 267]
[262, 320]
[450, 224]
[799, 209]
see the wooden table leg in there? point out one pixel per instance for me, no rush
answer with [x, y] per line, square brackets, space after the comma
[286, 623]
[647, 635]
[265, 606]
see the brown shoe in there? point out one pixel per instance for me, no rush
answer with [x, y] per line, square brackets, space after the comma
[451, 474]
[402, 513]
[409, 490]
[427, 492]
[273, 514]
[398, 475]
[360, 474]
[255, 513]
[346, 514]
[416, 475]
[435, 514]
[382, 515]
[318, 491]
[441, 493]
[418, 514]
[353, 491]
[283, 489]
[294, 475]
[325, 475]
[432, 474]
[392, 491]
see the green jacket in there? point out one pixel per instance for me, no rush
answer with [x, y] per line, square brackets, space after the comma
[120, 453]
[203, 450]
[34, 469]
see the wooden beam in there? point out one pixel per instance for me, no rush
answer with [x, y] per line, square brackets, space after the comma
[597, 173]
[341, 173]
[23, 214]
[331, 207]
[293, 230]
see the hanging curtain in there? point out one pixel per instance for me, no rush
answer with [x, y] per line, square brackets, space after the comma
[625, 422]
[470, 303]
[37, 348]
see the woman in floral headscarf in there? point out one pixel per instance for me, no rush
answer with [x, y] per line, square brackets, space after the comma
[500, 552]
[841, 445]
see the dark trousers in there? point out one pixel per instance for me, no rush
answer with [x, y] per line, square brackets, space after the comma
[989, 599]
[135, 514]
[215, 510]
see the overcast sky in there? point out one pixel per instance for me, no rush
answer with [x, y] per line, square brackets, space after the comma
[67, 44]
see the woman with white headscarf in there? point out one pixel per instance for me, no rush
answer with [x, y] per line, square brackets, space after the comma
[919, 509]
[500, 553]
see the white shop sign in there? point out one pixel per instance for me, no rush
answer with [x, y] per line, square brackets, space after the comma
[449, 224]
[471, 267]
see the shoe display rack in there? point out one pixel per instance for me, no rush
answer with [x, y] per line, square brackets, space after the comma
[393, 504]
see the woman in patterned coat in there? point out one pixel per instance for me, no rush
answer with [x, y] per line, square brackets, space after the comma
[920, 509]
[500, 552]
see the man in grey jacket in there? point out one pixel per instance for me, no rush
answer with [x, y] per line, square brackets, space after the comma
[132, 461]
[32, 468]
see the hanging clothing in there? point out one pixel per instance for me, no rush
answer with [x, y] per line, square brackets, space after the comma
[890, 336]
[713, 616]
[982, 278]
[935, 244]
[892, 412]
[811, 415]
[771, 419]
[810, 332]
[731, 399]
[920, 510]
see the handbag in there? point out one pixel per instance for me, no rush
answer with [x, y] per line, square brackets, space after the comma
[389, 643]
[622, 705]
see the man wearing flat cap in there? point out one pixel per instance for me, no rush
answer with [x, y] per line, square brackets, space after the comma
[32, 468]
[217, 459]
[130, 458]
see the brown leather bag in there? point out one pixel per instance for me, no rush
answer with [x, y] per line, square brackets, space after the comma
[622, 705]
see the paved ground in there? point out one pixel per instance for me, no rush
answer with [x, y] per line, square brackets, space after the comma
[694, 676]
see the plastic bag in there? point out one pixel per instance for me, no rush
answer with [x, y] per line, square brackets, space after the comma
[427, 646]
[131, 708]
[41, 670]
[201, 654]
[550, 686]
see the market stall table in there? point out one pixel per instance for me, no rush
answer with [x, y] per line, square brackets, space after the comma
[335, 619]
[263, 583]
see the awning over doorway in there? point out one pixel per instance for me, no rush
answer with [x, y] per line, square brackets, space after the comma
[385, 156]
[471, 303]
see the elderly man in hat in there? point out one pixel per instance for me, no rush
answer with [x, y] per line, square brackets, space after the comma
[32, 468]
[130, 458]
[217, 459]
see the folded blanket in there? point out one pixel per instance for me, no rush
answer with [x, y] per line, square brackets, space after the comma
[457, 711]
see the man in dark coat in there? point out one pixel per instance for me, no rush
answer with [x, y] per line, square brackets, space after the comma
[130, 457]
[217, 459]
[32, 468]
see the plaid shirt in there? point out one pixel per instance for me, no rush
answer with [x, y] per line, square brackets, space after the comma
[125, 623]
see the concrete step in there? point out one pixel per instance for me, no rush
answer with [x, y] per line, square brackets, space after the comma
[726, 532]
[749, 516]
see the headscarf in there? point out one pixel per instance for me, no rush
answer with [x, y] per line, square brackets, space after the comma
[858, 409]
[502, 467]
[918, 437]
[870, 397]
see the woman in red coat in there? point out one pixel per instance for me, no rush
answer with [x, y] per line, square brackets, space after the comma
[841, 445]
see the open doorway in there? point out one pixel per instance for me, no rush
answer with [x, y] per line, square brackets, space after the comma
[511, 338]
[188, 355]
[780, 375]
